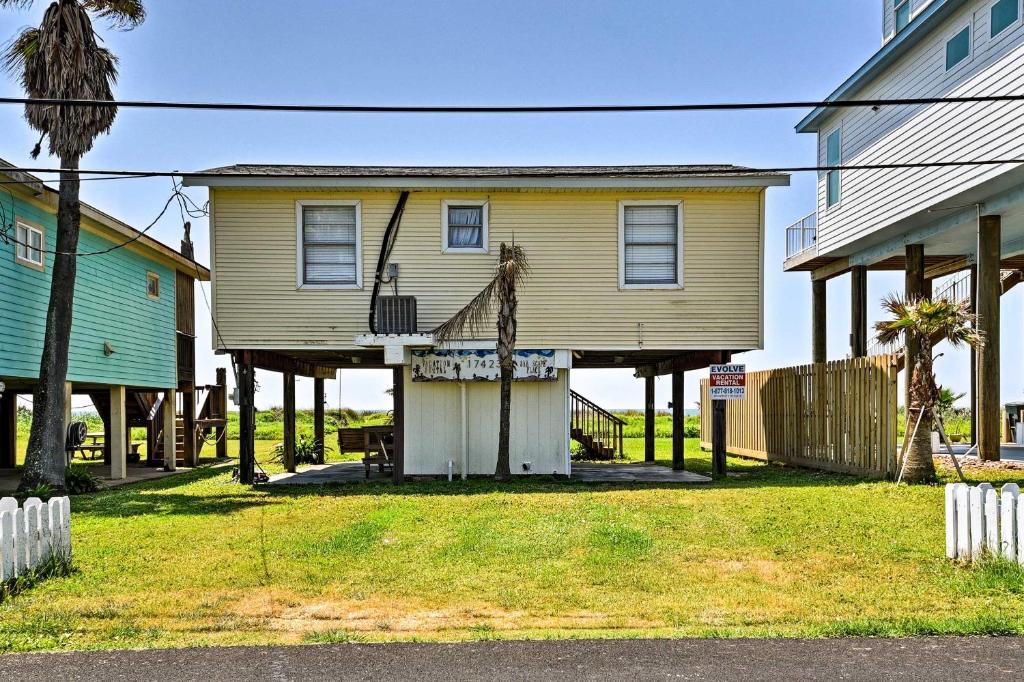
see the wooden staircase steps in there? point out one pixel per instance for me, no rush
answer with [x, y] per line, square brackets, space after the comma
[595, 428]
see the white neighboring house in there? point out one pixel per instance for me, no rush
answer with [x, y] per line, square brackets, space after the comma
[930, 222]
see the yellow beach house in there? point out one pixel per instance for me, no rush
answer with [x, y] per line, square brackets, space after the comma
[316, 268]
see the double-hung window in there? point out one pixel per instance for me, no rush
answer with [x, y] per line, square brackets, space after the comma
[833, 178]
[901, 14]
[958, 48]
[329, 253]
[650, 245]
[464, 226]
[1004, 14]
[29, 247]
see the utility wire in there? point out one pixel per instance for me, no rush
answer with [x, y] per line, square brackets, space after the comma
[508, 109]
[666, 171]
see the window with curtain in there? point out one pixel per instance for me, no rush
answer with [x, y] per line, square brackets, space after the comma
[901, 11]
[650, 237]
[834, 178]
[465, 227]
[30, 245]
[329, 245]
[1004, 14]
[958, 48]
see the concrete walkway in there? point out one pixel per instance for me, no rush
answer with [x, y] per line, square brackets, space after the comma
[137, 473]
[350, 472]
[933, 659]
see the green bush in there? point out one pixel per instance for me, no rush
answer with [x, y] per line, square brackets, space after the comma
[305, 451]
[79, 479]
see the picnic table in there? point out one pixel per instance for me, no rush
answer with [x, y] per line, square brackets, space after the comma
[94, 444]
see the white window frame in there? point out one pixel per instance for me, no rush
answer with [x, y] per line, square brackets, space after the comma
[485, 205]
[970, 47]
[28, 262]
[680, 232]
[152, 277]
[300, 257]
[835, 206]
[910, 15]
[1007, 28]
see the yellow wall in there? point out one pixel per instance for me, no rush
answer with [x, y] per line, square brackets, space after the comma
[572, 300]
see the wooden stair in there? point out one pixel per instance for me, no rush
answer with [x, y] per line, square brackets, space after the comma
[595, 428]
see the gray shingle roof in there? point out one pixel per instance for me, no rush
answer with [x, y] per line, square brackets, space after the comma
[265, 170]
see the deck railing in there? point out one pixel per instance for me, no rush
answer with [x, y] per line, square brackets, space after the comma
[596, 423]
[802, 235]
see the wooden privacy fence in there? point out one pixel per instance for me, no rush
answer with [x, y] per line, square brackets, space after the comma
[836, 416]
[981, 521]
[32, 534]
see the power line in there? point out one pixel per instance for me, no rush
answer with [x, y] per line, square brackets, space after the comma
[668, 171]
[508, 109]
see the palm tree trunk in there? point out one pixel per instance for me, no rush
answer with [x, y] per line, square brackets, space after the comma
[44, 460]
[919, 466]
[506, 359]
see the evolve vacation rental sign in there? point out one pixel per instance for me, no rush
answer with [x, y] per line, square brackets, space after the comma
[481, 365]
[728, 382]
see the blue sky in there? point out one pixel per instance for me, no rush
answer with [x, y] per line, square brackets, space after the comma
[463, 52]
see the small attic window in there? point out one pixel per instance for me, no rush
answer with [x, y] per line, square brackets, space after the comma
[152, 285]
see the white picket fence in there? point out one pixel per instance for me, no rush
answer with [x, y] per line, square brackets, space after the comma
[31, 534]
[981, 521]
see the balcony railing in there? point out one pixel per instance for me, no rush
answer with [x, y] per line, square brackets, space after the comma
[802, 235]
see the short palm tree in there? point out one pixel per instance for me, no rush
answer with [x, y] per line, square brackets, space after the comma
[62, 59]
[927, 321]
[511, 270]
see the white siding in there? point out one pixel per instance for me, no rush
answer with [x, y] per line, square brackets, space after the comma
[434, 431]
[874, 199]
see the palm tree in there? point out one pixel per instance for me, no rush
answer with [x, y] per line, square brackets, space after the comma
[511, 270]
[62, 59]
[927, 320]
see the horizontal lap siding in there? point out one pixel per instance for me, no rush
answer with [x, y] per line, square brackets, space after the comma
[571, 300]
[110, 304]
[874, 199]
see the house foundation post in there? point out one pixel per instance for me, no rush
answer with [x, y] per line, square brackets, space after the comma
[859, 311]
[678, 422]
[649, 420]
[222, 413]
[989, 289]
[289, 422]
[8, 429]
[118, 430]
[246, 420]
[914, 289]
[718, 428]
[188, 418]
[169, 413]
[819, 321]
[973, 393]
[318, 419]
[398, 374]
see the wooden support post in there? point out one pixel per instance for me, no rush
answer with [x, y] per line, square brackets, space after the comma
[859, 311]
[718, 417]
[222, 412]
[289, 422]
[170, 437]
[914, 289]
[649, 420]
[989, 290]
[151, 434]
[68, 396]
[188, 418]
[973, 393]
[399, 421]
[678, 422]
[8, 430]
[318, 418]
[118, 429]
[246, 422]
[819, 321]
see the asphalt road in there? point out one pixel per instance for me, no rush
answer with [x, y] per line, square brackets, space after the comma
[986, 659]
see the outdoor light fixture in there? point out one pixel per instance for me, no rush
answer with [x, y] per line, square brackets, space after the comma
[108, 349]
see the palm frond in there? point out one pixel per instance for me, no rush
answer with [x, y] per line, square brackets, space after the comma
[19, 50]
[121, 14]
[893, 330]
[17, 4]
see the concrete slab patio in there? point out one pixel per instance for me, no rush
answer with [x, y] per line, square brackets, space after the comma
[137, 473]
[352, 472]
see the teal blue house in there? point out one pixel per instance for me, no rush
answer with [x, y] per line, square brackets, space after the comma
[133, 331]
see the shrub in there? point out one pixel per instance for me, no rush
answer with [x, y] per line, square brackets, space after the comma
[79, 479]
[305, 451]
[41, 490]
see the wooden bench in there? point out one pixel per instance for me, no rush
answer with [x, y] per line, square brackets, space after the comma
[375, 443]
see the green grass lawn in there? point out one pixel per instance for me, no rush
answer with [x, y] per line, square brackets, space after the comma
[197, 560]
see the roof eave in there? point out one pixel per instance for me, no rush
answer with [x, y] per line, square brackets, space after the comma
[921, 25]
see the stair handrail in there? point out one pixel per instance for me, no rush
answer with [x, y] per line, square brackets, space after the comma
[598, 408]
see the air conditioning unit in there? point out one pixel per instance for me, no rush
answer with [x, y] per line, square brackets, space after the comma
[396, 315]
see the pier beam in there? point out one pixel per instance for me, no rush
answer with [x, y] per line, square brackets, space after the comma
[318, 419]
[649, 420]
[819, 321]
[289, 422]
[989, 290]
[246, 420]
[678, 422]
[859, 311]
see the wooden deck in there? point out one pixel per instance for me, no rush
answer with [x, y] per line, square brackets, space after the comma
[353, 472]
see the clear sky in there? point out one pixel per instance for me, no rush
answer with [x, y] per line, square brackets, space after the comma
[489, 52]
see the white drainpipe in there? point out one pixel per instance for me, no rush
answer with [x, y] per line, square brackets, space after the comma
[463, 454]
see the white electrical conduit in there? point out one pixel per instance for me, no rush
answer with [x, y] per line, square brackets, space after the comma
[462, 453]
